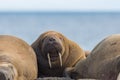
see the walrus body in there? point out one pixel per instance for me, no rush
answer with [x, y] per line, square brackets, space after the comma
[17, 59]
[102, 63]
[54, 53]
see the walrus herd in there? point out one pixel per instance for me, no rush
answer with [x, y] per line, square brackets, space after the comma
[54, 55]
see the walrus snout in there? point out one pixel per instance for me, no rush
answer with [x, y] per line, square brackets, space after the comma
[52, 45]
[2, 76]
[52, 49]
[6, 74]
[52, 39]
[8, 71]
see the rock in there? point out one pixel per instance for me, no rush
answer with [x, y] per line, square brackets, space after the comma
[54, 78]
[60, 78]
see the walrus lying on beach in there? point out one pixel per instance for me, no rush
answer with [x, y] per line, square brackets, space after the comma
[17, 59]
[54, 53]
[102, 63]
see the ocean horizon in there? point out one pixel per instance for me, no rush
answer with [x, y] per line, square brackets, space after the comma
[87, 29]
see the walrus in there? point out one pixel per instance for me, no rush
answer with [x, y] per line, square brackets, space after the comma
[55, 52]
[17, 59]
[102, 63]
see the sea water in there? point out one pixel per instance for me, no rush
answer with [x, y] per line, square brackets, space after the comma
[86, 29]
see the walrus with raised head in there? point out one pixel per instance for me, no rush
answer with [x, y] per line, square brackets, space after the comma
[55, 52]
[17, 59]
[102, 63]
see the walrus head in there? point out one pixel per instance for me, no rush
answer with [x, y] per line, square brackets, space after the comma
[7, 71]
[52, 49]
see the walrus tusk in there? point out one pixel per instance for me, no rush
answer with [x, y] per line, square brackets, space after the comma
[60, 59]
[49, 61]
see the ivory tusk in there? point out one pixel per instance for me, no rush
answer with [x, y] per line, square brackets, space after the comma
[49, 61]
[60, 59]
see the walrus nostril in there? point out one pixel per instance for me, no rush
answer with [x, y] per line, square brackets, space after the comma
[2, 76]
[51, 39]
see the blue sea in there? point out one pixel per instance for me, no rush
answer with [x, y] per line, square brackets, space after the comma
[84, 28]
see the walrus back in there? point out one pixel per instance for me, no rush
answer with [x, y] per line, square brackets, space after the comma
[20, 54]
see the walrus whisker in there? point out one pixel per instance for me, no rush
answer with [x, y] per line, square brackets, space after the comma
[49, 61]
[60, 59]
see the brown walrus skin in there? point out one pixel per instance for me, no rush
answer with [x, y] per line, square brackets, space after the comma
[17, 59]
[54, 53]
[102, 63]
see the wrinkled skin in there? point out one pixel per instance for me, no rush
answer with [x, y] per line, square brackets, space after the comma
[54, 53]
[102, 63]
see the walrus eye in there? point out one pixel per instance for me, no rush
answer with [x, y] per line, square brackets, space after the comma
[61, 38]
[42, 40]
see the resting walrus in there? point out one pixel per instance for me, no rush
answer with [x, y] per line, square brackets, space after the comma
[55, 52]
[17, 59]
[102, 63]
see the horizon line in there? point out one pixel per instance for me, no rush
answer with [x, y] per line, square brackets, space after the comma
[59, 11]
